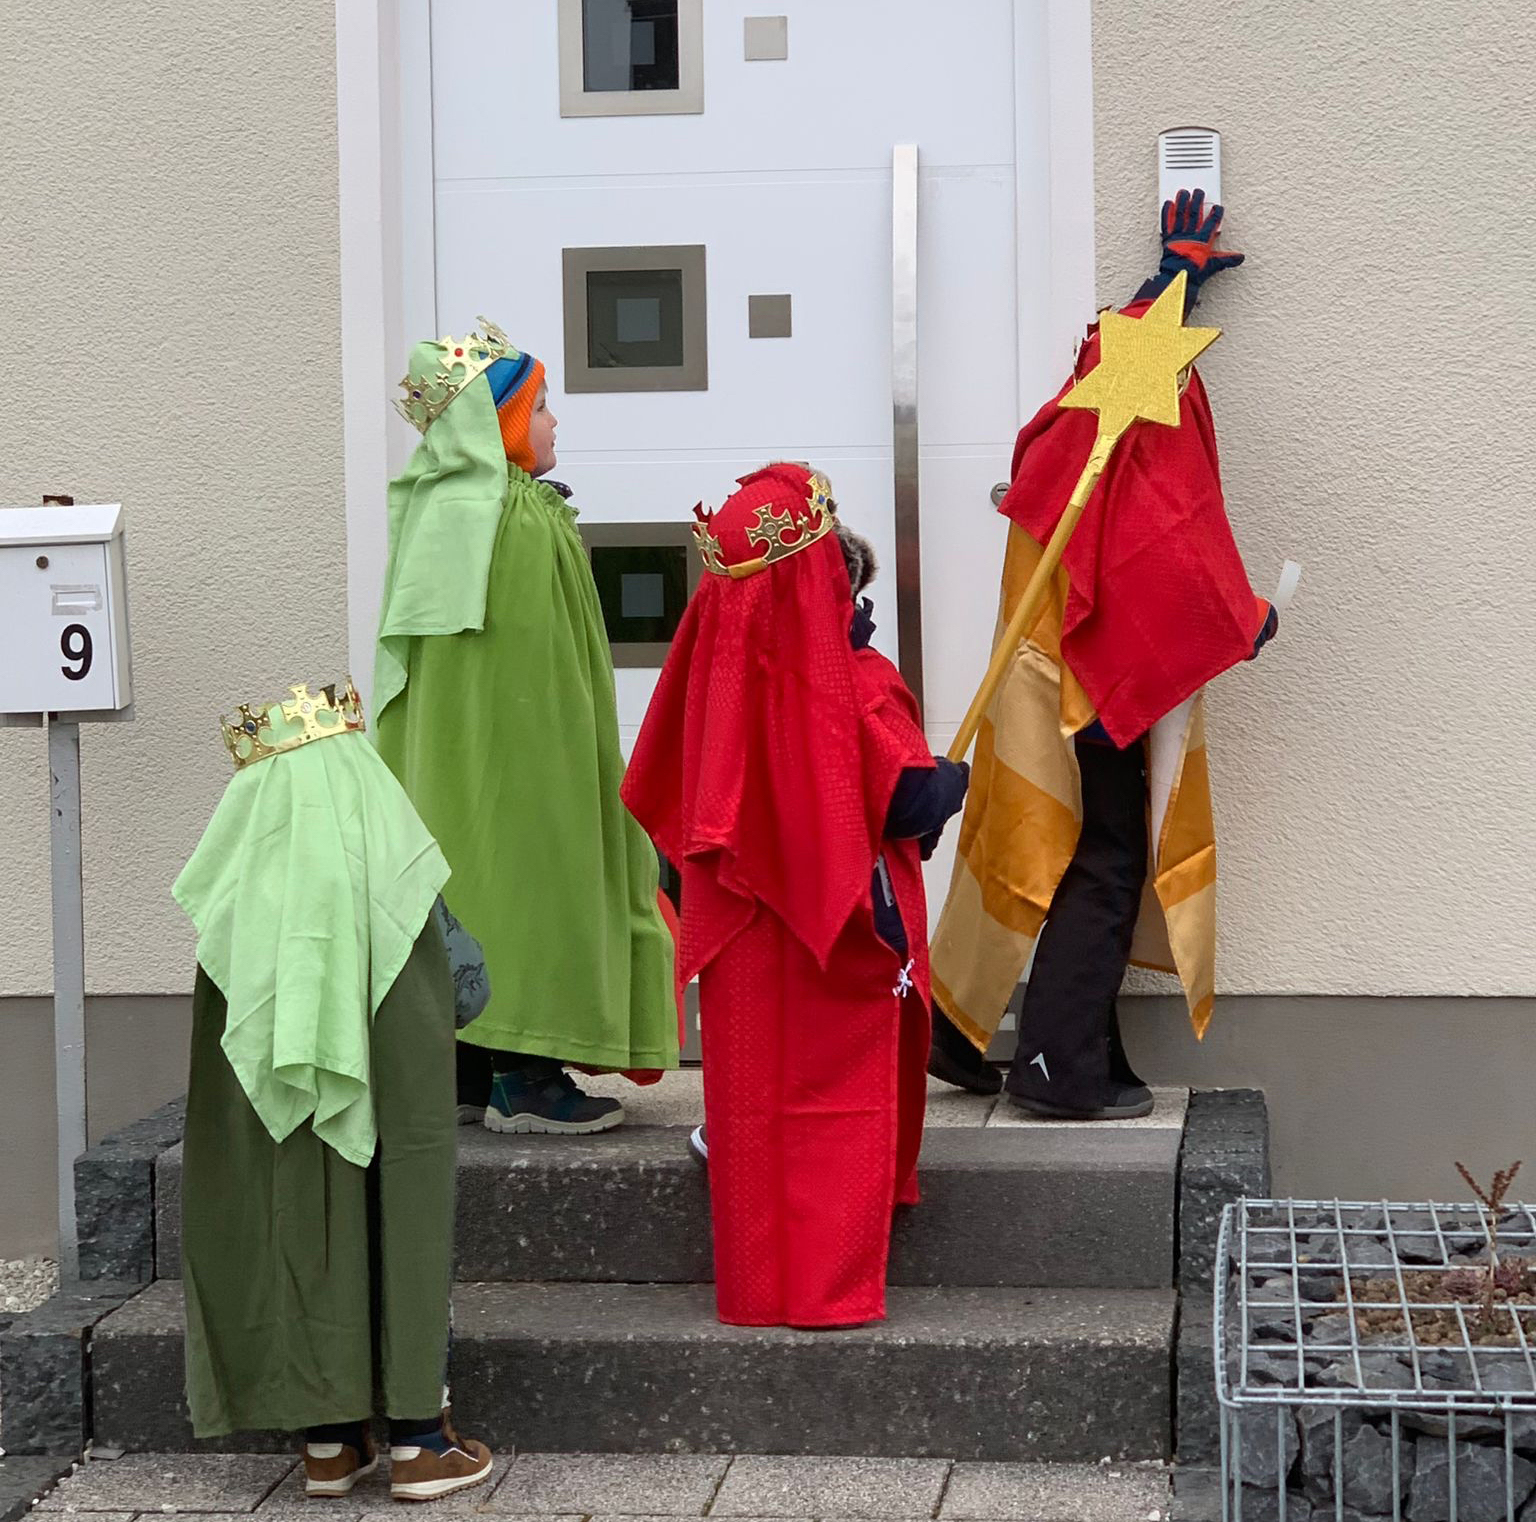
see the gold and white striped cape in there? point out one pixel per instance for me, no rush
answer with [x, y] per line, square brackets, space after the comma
[1024, 814]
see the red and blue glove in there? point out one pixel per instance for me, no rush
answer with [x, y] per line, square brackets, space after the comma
[1189, 233]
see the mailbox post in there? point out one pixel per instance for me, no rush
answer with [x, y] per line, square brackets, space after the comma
[64, 631]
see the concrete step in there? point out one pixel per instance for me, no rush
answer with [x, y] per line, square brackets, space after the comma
[1005, 1202]
[971, 1373]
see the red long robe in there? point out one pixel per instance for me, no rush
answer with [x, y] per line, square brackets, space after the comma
[765, 769]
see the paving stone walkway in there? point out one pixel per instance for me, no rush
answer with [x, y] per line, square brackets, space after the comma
[657, 1487]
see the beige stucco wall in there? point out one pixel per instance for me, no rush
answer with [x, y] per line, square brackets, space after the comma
[1375, 399]
[171, 342]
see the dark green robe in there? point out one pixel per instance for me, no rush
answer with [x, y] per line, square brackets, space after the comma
[312, 1283]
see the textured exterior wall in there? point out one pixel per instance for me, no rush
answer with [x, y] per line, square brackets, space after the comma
[172, 310]
[1375, 770]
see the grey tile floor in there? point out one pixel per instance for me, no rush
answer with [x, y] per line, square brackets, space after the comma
[658, 1487]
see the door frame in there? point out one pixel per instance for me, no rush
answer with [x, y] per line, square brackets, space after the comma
[388, 248]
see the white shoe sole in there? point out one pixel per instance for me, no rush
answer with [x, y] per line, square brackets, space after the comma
[698, 1145]
[537, 1125]
[471, 1115]
[433, 1490]
[341, 1487]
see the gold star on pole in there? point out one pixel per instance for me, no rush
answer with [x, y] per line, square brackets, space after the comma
[1136, 379]
[1140, 361]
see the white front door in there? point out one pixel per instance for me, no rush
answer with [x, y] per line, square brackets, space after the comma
[777, 173]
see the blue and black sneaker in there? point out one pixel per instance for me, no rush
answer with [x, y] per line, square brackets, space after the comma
[545, 1100]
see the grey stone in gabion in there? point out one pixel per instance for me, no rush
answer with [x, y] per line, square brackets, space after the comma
[1333, 1330]
[1378, 1371]
[1276, 1368]
[1367, 1253]
[1275, 1322]
[1264, 1506]
[1322, 1285]
[1269, 1445]
[1469, 1424]
[1316, 1426]
[1364, 1460]
[1453, 1369]
[1271, 1288]
[1480, 1483]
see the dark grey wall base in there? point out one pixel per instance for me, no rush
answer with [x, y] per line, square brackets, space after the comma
[45, 1370]
[25, 1480]
[115, 1197]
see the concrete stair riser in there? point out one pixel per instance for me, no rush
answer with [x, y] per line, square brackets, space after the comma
[969, 1373]
[1072, 1208]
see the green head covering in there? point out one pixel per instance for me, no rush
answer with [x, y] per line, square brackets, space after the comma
[444, 509]
[308, 889]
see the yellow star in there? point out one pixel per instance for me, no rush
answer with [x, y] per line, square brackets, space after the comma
[1140, 361]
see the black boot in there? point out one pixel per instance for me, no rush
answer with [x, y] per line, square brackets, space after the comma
[952, 1058]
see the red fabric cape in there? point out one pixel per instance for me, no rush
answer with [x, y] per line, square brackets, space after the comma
[1159, 601]
[769, 755]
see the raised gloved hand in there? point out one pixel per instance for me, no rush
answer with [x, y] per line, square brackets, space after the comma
[1189, 233]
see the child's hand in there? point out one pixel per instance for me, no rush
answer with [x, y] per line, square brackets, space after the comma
[1189, 234]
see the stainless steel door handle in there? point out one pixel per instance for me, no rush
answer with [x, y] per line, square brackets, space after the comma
[904, 440]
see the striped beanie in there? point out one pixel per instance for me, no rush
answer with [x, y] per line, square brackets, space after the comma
[515, 387]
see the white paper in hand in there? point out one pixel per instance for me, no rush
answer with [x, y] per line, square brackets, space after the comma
[1290, 577]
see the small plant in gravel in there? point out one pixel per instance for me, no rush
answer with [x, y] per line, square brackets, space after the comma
[1492, 1200]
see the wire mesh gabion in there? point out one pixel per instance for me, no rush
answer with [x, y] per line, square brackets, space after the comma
[1376, 1360]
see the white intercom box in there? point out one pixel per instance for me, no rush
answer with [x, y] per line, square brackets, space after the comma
[1189, 158]
[63, 611]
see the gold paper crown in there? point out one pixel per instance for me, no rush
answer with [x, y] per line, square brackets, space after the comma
[271, 728]
[770, 531]
[460, 361]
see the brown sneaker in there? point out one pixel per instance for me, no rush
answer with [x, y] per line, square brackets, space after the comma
[422, 1474]
[332, 1469]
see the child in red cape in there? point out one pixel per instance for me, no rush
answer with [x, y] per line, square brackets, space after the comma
[783, 768]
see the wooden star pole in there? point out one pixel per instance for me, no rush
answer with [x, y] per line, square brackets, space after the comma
[1136, 378]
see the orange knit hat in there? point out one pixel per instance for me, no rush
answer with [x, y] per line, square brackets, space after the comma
[514, 406]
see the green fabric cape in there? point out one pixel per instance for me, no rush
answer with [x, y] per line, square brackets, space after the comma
[495, 708]
[308, 890]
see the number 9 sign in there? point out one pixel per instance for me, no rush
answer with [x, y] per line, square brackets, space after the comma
[63, 611]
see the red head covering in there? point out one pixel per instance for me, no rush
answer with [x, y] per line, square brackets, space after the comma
[768, 758]
[1159, 601]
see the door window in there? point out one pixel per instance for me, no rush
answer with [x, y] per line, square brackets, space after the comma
[631, 57]
[635, 319]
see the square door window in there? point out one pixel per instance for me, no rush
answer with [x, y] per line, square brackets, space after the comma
[631, 57]
[635, 319]
[645, 574]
